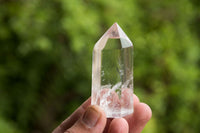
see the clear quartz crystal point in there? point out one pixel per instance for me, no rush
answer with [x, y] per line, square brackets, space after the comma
[112, 73]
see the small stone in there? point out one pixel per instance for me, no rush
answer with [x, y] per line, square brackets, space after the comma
[112, 73]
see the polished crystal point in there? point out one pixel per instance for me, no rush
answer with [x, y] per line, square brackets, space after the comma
[112, 73]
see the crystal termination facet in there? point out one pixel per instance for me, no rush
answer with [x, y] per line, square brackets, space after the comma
[112, 73]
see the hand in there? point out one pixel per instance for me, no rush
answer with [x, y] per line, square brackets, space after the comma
[92, 119]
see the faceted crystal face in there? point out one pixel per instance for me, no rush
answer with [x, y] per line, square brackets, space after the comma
[112, 73]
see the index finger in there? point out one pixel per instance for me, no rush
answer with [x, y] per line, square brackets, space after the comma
[142, 114]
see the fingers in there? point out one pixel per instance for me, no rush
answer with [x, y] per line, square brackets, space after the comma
[92, 121]
[118, 125]
[135, 100]
[73, 117]
[109, 120]
[136, 121]
[142, 114]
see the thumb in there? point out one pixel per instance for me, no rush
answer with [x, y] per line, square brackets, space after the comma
[92, 121]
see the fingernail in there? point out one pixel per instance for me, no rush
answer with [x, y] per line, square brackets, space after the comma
[90, 117]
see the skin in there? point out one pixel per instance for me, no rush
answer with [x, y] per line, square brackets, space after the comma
[92, 119]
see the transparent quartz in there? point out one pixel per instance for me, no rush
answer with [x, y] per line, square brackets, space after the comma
[112, 73]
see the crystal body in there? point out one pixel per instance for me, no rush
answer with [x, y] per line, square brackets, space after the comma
[112, 73]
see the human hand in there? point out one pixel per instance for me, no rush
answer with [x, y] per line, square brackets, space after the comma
[92, 119]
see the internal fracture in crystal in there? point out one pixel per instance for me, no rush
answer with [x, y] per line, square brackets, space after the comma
[112, 73]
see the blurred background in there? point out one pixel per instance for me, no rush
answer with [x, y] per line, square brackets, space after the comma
[46, 58]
